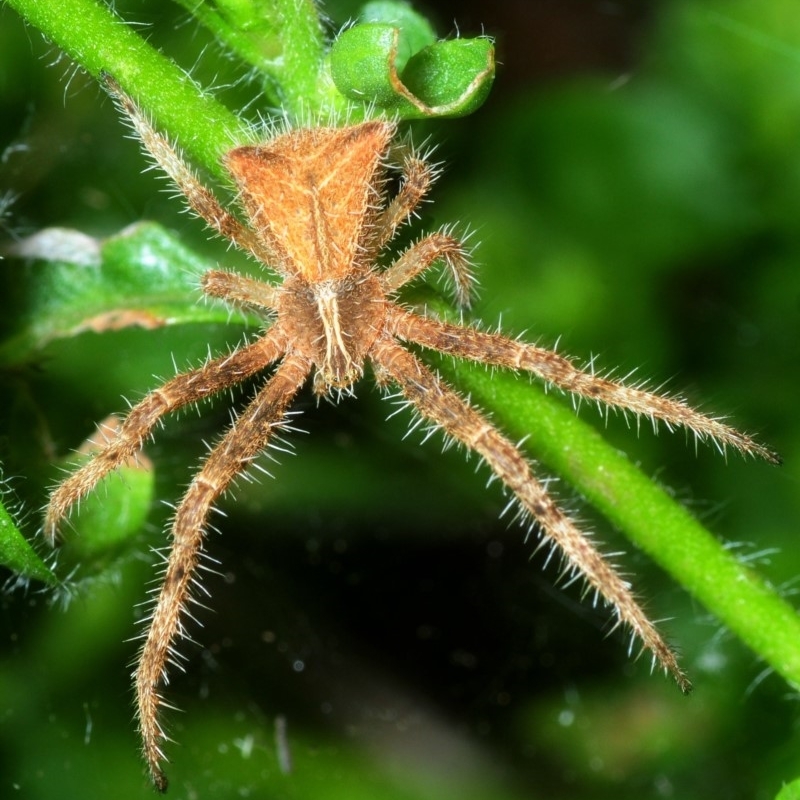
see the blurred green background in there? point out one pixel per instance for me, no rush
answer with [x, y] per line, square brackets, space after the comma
[634, 182]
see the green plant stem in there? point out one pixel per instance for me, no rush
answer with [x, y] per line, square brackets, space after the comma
[99, 41]
[643, 511]
[283, 39]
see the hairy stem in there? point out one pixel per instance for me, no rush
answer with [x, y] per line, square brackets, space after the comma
[283, 39]
[99, 41]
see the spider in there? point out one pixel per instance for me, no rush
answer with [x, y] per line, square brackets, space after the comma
[317, 214]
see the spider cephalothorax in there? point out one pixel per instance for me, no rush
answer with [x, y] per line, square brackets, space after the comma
[317, 215]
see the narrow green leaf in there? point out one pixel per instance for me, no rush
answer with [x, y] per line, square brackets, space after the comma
[17, 554]
[69, 283]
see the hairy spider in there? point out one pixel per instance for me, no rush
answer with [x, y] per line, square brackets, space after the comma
[314, 200]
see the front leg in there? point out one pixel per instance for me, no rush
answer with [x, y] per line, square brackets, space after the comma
[417, 177]
[200, 199]
[426, 252]
[497, 350]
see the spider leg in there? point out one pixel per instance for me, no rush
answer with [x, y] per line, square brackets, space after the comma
[137, 426]
[231, 456]
[417, 177]
[492, 348]
[421, 255]
[240, 289]
[200, 199]
[437, 402]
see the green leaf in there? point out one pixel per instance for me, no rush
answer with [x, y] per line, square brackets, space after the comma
[415, 31]
[112, 515]
[17, 554]
[141, 277]
[378, 63]
[453, 77]
[791, 791]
